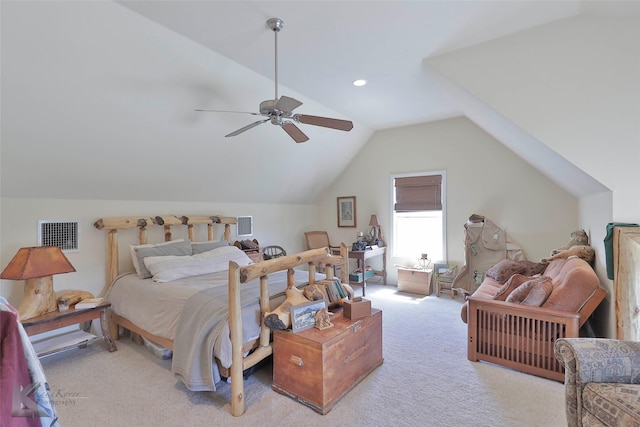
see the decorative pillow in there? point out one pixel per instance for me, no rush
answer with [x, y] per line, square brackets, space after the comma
[533, 292]
[509, 286]
[532, 268]
[134, 257]
[505, 269]
[174, 247]
[168, 268]
[199, 247]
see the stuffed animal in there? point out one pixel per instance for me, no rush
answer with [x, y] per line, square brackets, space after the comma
[585, 252]
[578, 237]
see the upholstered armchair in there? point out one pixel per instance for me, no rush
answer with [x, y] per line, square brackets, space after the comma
[602, 381]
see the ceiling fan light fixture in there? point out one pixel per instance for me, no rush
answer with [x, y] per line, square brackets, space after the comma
[359, 82]
[279, 110]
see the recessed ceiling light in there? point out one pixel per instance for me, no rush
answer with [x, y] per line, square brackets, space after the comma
[359, 82]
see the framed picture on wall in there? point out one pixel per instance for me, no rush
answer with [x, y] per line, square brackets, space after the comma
[347, 211]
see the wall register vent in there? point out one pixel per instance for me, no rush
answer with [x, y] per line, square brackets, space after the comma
[245, 226]
[64, 234]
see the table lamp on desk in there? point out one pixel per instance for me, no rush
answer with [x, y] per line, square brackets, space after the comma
[37, 265]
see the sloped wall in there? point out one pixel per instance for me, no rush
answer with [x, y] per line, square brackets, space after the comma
[482, 177]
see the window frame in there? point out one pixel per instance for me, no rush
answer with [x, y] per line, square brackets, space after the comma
[392, 241]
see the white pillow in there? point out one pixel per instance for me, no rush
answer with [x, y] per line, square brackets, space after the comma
[171, 267]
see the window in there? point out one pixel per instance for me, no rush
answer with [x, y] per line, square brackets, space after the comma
[418, 216]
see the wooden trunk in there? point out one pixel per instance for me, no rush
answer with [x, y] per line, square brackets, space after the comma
[318, 367]
[414, 281]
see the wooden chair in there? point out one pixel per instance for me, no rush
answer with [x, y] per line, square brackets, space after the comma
[320, 239]
[443, 277]
[273, 251]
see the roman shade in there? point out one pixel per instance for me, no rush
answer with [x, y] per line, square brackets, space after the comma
[418, 193]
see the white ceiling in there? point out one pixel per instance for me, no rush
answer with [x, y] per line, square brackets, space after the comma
[99, 97]
[325, 45]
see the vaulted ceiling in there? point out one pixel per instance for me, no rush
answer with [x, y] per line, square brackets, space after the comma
[98, 98]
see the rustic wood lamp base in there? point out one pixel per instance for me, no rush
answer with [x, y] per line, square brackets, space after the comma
[39, 298]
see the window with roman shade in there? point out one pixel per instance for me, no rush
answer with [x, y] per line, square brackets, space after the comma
[418, 193]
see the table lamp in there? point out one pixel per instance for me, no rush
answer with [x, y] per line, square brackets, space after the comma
[375, 225]
[37, 265]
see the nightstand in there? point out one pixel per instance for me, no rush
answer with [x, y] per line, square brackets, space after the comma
[56, 320]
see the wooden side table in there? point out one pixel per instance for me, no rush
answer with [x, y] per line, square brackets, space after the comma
[56, 320]
[361, 257]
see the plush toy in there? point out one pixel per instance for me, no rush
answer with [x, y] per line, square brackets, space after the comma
[585, 252]
[578, 237]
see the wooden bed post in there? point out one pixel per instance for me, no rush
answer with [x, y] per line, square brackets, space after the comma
[237, 380]
[142, 235]
[112, 255]
[209, 232]
[227, 232]
[265, 331]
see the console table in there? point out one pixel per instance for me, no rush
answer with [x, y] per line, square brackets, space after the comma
[361, 257]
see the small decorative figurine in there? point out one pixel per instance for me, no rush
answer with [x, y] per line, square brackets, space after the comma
[322, 319]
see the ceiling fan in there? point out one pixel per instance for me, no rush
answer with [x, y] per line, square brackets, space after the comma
[279, 110]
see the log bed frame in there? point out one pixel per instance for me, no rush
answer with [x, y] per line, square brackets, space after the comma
[237, 276]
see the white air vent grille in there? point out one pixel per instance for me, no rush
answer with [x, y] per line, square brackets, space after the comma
[245, 225]
[64, 234]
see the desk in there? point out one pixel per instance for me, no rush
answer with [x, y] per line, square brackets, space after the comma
[361, 257]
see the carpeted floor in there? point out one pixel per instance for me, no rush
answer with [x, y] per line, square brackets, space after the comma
[425, 379]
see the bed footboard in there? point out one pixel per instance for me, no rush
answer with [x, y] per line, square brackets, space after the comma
[521, 338]
[261, 270]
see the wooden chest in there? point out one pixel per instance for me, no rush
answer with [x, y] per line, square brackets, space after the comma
[414, 281]
[318, 367]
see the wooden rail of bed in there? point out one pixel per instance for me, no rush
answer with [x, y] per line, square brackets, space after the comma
[261, 270]
[237, 277]
[113, 225]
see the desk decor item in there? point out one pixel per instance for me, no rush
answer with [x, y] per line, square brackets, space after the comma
[63, 304]
[347, 211]
[323, 319]
[37, 265]
[424, 261]
[358, 308]
[303, 316]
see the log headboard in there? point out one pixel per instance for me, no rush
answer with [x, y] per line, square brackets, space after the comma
[115, 224]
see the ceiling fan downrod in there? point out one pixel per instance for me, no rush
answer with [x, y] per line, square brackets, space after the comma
[276, 24]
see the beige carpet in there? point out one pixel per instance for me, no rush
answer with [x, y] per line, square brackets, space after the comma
[425, 379]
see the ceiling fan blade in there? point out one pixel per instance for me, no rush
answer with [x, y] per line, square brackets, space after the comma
[345, 125]
[227, 111]
[295, 132]
[247, 127]
[286, 104]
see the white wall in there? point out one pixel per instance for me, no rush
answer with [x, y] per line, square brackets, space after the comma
[596, 210]
[482, 177]
[282, 225]
[574, 86]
